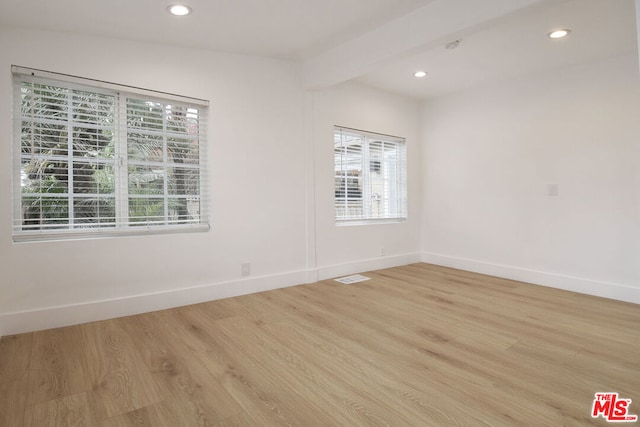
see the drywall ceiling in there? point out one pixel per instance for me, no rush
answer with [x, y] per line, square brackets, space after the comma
[274, 28]
[514, 46]
[374, 42]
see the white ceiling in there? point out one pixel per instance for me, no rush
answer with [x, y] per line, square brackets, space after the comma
[515, 46]
[274, 28]
[375, 42]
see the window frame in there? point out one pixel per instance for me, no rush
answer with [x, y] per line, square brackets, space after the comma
[397, 211]
[122, 221]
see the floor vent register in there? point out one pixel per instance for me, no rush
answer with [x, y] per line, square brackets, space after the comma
[347, 280]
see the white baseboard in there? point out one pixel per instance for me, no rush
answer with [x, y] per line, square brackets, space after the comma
[575, 284]
[337, 270]
[54, 317]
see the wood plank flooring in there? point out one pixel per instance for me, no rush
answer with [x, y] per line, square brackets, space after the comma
[417, 345]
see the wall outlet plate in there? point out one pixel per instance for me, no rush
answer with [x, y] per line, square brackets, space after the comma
[245, 269]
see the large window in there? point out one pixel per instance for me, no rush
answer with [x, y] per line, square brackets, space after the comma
[94, 159]
[370, 177]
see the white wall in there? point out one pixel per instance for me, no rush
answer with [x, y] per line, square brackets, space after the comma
[257, 169]
[349, 249]
[271, 172]
[489, 155]
[478, 166]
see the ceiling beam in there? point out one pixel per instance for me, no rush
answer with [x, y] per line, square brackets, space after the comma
[437, 22]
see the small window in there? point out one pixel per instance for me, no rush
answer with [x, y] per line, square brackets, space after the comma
[95, 159]
[370, 177]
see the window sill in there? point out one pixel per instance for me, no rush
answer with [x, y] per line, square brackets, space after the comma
[64, 235]
[350, 222]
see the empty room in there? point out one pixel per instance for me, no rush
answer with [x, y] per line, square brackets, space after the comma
[319, 213]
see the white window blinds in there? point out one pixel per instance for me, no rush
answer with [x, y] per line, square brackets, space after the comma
[93, 158]
[370, 177]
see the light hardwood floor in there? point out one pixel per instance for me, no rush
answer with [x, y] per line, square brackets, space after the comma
[417, 345]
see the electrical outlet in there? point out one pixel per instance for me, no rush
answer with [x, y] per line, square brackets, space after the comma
[381, 251]
[246, 269]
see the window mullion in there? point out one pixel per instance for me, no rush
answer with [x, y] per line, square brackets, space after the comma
[122, 163]
[383, 183]
[390, 169]
[366, 178]
[398, 181]
[18, 156]
[402, 186]
[165, 166]
[70, 150]
[345, 178]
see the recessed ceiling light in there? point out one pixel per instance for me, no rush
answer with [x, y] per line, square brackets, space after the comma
[558, 34]
[179, 9]
[420, 74]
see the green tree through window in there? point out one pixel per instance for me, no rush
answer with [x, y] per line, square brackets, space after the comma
[94, 159]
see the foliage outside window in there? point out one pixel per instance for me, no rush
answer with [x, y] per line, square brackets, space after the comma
[370, 177]
[93, 161]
